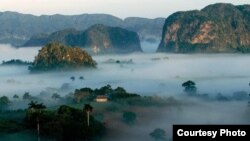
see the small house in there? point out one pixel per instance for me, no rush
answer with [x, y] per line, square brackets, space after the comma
[101, 98]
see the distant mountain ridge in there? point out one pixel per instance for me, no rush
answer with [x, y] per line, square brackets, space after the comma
[216, 28]
[97, 38]
[17, 28]
[58, 36]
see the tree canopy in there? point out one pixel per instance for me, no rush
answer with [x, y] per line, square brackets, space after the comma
[190, 87]
[158, 134]
[66, 124]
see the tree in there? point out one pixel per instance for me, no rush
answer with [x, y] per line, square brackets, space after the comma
[88, 108]
[35, 109]
[27, 96]
[81, 78]
[190, 87]
[72, 78]
[129, 117]
[55, 96]
[249, 95]
[158, 134]
[82, 94]
[120, 90]
[15, 96]
[65, 87]
[104, 90]
[4, 102]
[69, 124]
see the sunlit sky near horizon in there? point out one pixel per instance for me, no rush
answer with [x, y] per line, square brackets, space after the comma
[119, 8]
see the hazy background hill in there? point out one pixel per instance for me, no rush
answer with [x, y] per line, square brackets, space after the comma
[17, 28]
[147, 29]
[97, 39]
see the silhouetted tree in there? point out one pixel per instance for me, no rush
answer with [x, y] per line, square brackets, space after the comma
[36, 110]
[83, 94]
[88, 108]
[72, 125]
[129, 117]
[190, 87]
[15, 96]
[81, 78]
[249, 96]
[55, 96]
[65, 87]
[221, 97]
[4, 102]
[104, 90]
[27, 96]
[158, 134]
[72, 78]
[120, 90]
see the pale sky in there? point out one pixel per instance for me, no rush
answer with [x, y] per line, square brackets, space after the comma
[119, 8]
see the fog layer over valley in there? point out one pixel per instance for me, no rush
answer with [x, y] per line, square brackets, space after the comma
[147, 74]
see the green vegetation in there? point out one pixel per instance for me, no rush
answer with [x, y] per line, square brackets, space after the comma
[16, 62]
[56, 56]
[158, 134]
[243, 49]
[83, 118]
[66, 123]
[27, 96]
[15, 96]
[87, 94]
[88, 108]
[81, 78]
[9, 126]
[34, 112]
[56, 96]
[149, 101]
[190, 87]
[4, 102]
[129, 117]
[72, 78]
[119, 96]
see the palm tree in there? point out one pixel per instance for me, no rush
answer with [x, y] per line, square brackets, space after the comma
[88, 108]
[36, 109]
[249, 95]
